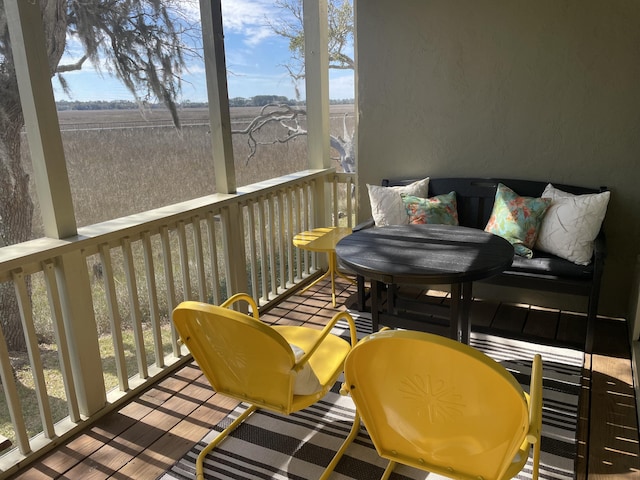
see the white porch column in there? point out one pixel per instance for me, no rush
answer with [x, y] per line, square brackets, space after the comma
[316, 52]
[54, 194]
[40, 117]
[222, 144]
[216, 73]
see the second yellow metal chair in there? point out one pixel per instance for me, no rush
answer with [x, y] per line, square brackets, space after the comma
[438, 405]
[279, 368]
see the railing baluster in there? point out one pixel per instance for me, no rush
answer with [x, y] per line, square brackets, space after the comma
[336, 210]
[290, 233]
[309, 224]
[251, 225]
[170, 281]
[263, 249]
[114, 317]
[213, 252]
[350, 188]
[225, 215]
[273, 268]
[198, 254]
[33, 350]
[154, 309]
[61, 339]
[281, 239]
[297, 205]
[134, 303]
[13, 399]
[184, 261]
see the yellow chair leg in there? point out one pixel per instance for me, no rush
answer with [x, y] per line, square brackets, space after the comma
[355, 428]
[389, 470]
[536, 460]
[221, 436]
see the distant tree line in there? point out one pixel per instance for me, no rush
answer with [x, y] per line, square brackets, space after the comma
[257, 101]
[97, 105]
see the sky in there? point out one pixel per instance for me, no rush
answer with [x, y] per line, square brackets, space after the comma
[254, 56]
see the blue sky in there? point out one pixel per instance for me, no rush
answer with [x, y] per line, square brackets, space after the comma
[254, 61]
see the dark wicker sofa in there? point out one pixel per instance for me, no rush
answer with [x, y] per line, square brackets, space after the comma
[543, 272]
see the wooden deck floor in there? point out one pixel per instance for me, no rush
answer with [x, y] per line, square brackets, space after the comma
[146, 437]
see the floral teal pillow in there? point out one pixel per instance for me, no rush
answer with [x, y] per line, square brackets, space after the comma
[441, 209]
[517, 219]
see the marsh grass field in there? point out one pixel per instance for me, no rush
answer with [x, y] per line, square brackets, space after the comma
[120, 163]
[117, 171]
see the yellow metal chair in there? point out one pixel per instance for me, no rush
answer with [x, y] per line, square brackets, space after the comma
[438, 405]
[279, 368]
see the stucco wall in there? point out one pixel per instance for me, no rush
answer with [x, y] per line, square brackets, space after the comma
[546, 90]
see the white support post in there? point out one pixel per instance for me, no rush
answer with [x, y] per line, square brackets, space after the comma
[216, 73]
[316, 48]
[316, 53]
[41, 118]
[220, 118]
[234, 251]
[82, 332]
[28, 44]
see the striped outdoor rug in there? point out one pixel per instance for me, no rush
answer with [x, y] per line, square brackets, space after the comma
[299, 446]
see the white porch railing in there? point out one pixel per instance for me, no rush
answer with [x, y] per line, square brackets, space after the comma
[117, 282]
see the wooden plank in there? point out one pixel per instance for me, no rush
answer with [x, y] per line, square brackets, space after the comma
[510, 318]
[108, 428]
[62, 459]
[174, 444]
[572, 329]
[170, 385]
[413, 292]
[613, 424]
[613, 439]
[482, 313]
[121, 450]
[542, 322]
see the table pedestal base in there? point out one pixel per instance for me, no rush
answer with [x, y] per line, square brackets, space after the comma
[414, 314]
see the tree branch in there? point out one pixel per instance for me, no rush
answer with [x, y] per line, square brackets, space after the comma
[72, 66]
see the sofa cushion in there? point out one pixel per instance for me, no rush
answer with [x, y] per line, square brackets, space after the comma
[517, 219]
[441, 209]
[571, 224]
[547, 264]
[387, 207]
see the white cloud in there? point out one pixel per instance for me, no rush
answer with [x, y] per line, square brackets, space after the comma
[249, 18]
[191, 9]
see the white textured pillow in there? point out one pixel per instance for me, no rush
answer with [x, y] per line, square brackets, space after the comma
[387, 207]
[571, 224]
[306, 382]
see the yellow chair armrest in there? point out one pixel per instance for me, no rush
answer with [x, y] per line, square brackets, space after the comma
[326, 331]
[238, 297]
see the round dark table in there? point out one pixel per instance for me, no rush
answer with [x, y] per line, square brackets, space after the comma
[423, 255]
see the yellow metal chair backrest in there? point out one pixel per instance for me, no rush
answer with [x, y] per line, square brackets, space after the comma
[442, 406]
[241, 356]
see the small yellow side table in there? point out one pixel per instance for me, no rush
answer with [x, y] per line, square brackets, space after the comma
[324, 240]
